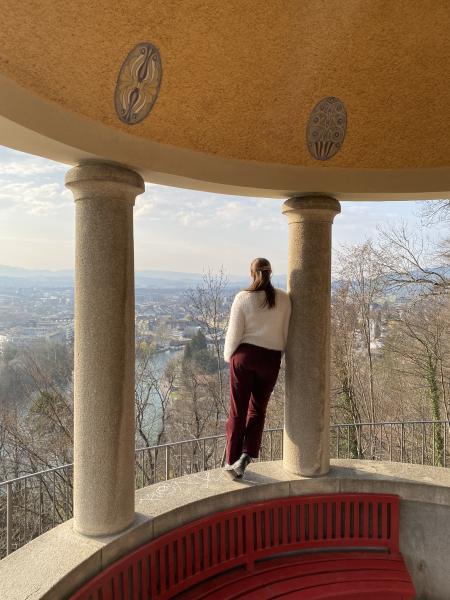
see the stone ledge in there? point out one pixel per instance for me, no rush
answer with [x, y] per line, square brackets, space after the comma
[58, 562]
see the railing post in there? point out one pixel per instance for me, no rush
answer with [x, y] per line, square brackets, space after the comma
[348, 442]
[434, 445]
[204, 455]
[54, 498]
[380, 444]
[423, 443]
[402, 440]
[338, 440]
[167, 463]
[371, 441]
[8, 517]
[271, 444]
[390, 442]
[24, 511]
[40, 504]
[181, 460]
[444, 462]
[282, 443]
[360, 440]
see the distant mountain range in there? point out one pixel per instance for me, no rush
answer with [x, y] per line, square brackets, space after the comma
[20, 277]
[16, 277]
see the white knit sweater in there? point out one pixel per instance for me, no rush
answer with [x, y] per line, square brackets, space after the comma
[249, 323]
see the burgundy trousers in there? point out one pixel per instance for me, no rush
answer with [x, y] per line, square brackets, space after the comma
[253, 374]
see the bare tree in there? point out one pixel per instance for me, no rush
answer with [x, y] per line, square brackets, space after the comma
[435, 211]
[407, 260]
[38, 435]
[41, 434]
[420, 343]
[360, 268]
[206, 304]
[344, 333]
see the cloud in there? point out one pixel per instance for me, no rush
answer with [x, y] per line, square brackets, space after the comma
[268, 223]
[192, 218]
[201, 210]
[28, 168]
[31, 185]
[35, 199]
[144, 207]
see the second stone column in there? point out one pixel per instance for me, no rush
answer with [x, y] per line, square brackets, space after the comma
[104, 441]
[307, 403]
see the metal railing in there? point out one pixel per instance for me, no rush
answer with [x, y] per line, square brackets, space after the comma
[32, 504]
[35, 503]
[416, 442]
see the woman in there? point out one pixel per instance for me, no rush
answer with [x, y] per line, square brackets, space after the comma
[254, 344]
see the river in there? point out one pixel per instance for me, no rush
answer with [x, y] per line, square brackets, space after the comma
[159, 362]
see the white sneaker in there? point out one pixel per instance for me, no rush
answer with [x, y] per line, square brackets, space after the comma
[241, 464]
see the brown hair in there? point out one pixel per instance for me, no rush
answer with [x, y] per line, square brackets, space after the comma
[261, 271]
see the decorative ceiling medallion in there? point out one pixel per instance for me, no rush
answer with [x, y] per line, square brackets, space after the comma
[326, 128]
[138, 83]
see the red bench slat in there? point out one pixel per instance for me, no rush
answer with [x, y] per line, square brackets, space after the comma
[288, 574]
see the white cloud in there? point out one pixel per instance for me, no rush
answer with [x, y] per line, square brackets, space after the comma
[192, 218]
[144, 206]
[268, 223]
[35, 199]
[201, 210]
[29, 168]
[31, 185]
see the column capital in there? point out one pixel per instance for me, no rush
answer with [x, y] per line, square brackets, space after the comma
[311, 208]
[92, 179]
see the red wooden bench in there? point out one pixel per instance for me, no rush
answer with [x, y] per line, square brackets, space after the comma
[302, 547]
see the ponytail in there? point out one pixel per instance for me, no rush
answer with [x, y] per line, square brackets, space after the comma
[261, 271]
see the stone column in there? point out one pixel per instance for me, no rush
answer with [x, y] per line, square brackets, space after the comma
[307, 404]
[104, 416]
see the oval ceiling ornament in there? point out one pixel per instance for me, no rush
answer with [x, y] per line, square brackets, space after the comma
[326, 128]
[138, 83]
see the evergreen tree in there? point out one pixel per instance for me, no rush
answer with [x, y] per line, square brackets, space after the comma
[197, 351]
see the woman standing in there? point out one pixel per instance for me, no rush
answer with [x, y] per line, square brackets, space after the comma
[255, 342]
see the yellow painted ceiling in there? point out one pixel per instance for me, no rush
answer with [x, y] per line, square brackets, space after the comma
[240, 77]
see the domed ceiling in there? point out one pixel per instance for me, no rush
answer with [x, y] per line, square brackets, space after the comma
[348, 97]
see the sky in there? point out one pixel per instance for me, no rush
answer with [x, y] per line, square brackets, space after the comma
[174, 229]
